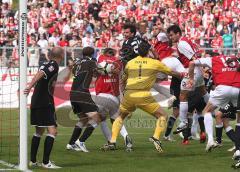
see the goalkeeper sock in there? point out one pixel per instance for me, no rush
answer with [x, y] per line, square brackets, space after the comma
[116, 127]
[34, 146]
[48, 145]
[75, 135]
[160, 127]
[87, 133]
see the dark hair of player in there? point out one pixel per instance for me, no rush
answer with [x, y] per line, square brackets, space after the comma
[130, 26]
[143, 48]
[175, 29]
[88, 51]
[109, 52]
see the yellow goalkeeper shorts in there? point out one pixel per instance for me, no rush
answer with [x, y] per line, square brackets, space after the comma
[138, 99]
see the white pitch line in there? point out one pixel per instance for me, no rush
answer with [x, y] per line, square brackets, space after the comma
[8, 165]
[7, 169]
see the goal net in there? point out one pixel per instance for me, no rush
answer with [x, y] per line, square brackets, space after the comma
[9, 109]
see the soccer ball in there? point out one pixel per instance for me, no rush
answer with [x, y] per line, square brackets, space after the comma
[105, 68]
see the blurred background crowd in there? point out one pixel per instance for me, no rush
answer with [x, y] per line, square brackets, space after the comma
[98, 23]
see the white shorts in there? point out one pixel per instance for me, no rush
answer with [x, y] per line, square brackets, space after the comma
[198, 80]
[107, 104]
[174, 64]
[223, 94]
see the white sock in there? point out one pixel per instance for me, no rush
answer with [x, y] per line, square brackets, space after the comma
[123, 131]
[194, 128]
[106, 131]
[183, 109]
[228, 129]
[208, 122]
[206, 97]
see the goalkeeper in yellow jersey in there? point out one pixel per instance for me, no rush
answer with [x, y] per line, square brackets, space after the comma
[139, 75]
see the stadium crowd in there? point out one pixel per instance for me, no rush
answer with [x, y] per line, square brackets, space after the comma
[211, 24]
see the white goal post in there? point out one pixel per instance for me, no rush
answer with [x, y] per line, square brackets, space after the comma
[23, 120]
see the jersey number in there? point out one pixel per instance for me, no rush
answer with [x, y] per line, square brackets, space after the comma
[224, 61]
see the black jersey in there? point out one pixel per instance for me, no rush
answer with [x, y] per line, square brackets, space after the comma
[130, 48]
[83, 72]
[43, 90]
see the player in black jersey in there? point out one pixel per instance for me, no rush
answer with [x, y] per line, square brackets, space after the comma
[130, 46]
[82, 104]
[42, 107]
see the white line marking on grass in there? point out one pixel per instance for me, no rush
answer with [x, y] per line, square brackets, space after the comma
[6, 169]
[8, 165]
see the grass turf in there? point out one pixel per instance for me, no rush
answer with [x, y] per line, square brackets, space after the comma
[176, 157]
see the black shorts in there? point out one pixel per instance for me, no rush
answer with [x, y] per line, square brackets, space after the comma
[195, 102]
[43, 117]
[229, 111]
[175, 88]
[82, 103]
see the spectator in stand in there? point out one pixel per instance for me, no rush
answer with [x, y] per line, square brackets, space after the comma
[207, 18]
[63, 42]
[33, 53]
[88, 40]
[94, 9]
[217, 43]
[43, 43]
[54, 38]
[227, 41]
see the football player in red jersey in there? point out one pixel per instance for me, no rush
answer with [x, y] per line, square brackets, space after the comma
[227, 80]
[169, 58]
[107, 95]
[187, 52]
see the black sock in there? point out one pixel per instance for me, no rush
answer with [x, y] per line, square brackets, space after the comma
[170, 125]
[185, 134]
[87, 133]
[201, 123]
[231, 135]
[34, 147]
[75, 135]
[48, 144]
[237, 137]
[190, 120]
[219, 130]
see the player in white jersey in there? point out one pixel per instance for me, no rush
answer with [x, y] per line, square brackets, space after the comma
[187, 52]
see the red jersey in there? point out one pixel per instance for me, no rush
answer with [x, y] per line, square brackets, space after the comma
[108, 84]
[163, 50]
[223, 73]
[185, 55]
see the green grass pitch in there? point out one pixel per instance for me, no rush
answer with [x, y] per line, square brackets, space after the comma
[176, 157]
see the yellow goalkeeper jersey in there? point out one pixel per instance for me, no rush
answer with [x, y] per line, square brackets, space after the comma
[141, 73]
